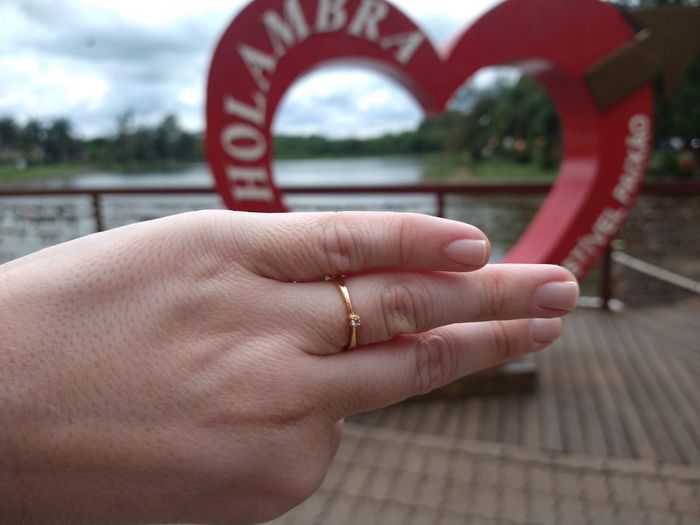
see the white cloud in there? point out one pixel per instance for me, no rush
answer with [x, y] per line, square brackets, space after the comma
[151, 12]
[342, 101]
[94, 59]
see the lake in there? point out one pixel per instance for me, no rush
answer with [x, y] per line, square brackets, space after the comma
[297, 173]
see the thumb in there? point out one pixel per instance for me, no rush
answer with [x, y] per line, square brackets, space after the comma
[307, 246]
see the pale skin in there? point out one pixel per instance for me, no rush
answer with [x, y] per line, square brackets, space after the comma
[191, 369]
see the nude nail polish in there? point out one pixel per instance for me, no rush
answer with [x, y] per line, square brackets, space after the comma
[467, 251]
[545, 331]
[558, 296]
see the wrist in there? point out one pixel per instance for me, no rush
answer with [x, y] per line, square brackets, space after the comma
[12, 484]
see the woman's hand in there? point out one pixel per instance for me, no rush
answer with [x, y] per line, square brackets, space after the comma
[191, 369]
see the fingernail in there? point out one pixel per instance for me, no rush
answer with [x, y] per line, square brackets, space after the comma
[467, 251]
[557, 296]
[545, 331]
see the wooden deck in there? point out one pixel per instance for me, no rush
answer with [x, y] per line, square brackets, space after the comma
[391, 477]
[617, 385]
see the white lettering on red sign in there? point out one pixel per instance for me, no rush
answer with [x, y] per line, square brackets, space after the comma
[330, 16]
[366, 21]
[610, 220]
[250, 184]
[285, 32]
[244, 138]
[638, 144]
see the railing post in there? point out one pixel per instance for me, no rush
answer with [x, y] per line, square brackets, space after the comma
[441, 204]
[97, 211]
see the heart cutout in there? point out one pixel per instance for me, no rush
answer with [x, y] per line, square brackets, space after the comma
[271, 43]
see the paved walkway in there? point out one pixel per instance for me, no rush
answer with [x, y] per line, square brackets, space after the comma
[385, 476]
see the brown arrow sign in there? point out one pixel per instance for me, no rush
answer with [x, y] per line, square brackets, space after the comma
[667, 45]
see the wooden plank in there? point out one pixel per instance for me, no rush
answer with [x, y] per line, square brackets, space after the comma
[685, 335]
[670, 402]
[682, 378]
[550, 425]
[412, 416]
[641, 395]
[509, 424]
[687, 369]
[394, 415]
[624, 430]
[677, 341]
[433, 416]
[530, 435]
[685, 315]
[585, 391]
[489, 429]
[470, 418]
[454, 422]
[572, 432]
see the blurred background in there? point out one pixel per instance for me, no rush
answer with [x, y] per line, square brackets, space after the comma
[101, 125]
[110, 94]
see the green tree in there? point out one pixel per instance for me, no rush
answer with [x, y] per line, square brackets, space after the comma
[59, 143]
[124, 145]
[9, 133]
[32, 138]
[167, 138]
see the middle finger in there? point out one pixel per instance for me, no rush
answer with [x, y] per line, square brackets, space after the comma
[391, 304]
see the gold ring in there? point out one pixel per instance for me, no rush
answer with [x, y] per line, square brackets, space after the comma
[353, 319]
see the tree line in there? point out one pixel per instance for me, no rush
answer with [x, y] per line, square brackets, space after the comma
[55, 142]
[515, 122]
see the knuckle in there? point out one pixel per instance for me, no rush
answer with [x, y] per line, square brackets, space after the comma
[405, 234]
[505, 343]
[340, 244]
[434, 362]
[208, 230]
[402, 309]
[207, 248]
[494, 297]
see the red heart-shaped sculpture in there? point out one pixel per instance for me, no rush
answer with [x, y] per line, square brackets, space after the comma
[273, 42]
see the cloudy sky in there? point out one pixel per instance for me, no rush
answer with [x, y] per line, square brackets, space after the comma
[91, 60]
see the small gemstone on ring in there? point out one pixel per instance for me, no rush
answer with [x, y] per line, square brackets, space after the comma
[355, 320]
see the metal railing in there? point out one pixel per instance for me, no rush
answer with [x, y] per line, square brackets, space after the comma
[441, 191]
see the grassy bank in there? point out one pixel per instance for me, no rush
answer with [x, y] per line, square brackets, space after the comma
[438, 167]
[12, 175]
[463, 167]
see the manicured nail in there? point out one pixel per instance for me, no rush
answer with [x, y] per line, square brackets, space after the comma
[545, 331]
[467, 251]
[557, 296]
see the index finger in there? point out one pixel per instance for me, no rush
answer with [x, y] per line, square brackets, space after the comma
[307, 246]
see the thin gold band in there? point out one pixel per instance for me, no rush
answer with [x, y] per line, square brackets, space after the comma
[353, 319]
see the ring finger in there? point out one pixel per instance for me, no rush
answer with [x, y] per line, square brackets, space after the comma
[390, 304]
